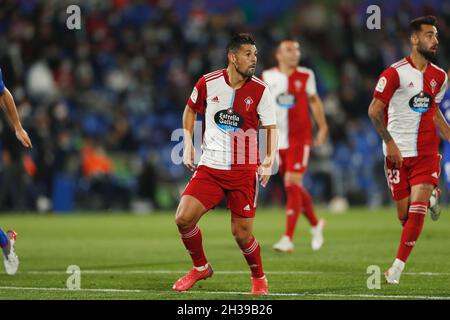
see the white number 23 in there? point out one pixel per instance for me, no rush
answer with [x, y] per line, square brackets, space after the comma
[393, 176]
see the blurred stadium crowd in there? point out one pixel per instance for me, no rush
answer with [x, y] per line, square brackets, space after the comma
[100, 103]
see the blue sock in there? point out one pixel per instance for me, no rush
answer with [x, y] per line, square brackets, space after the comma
[3, 239]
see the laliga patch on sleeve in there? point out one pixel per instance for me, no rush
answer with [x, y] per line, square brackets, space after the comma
[381, 84]
[194, 95]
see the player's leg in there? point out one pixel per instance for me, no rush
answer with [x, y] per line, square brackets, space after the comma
[294, 204]
[402, 206]
[242, 229]
[397, 179]
[189, 212]
[298, 199]
[10, 259]
[420, 195]
[241, 200]
[294, 163]
[293, 200]
[200, 195]
[423, 176]
[317, 225]
[434, 208]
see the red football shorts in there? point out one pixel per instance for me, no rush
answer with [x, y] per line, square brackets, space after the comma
[294, 159]
[209, 186]
[415, 170]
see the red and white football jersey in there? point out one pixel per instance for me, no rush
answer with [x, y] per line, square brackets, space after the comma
[290, 95]
[231, 120]
[411, 99]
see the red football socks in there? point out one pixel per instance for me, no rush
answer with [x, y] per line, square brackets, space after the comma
[411, 230]
[192, 240]
[294, 204]
[252, 253]
[308, 208]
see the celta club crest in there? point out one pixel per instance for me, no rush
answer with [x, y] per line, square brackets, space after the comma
[433, 85]
[248, 101]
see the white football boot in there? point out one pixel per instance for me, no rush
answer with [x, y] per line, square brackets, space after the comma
[284, 245]
[392, 275]
[435, 209]
[10, 259]
[317, 235]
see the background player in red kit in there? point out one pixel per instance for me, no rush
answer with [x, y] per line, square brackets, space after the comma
[293, 91]
[405, 112]
[234, 103]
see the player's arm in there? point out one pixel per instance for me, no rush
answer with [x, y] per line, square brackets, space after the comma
[376, 115]
[196, 103]
[442, 125]
[265, 170]
[317, 109]
[9, 107]
[189, 116]
[268, 120]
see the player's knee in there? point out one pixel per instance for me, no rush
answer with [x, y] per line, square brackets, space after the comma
[293, 179]
[242, 235]
[183, 223]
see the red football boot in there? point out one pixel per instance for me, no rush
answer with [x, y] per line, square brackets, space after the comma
[187, 281]
[260, 286]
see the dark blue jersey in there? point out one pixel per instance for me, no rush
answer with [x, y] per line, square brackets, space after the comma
[2, 85]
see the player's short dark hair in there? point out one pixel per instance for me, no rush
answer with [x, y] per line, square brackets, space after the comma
[416, 24]
[285, 39]
[293, 39]
[238, 40]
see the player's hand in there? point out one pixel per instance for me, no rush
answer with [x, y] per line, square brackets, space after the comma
[321, 137]
[189, 156]
[393, 154]
[23, 137]
[265, 171]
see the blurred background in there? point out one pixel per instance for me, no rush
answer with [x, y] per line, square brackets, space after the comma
[100, 103]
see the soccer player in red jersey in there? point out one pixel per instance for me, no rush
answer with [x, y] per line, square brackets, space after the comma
[294, 93]
[234, 103]
[405, 112]
[8, 239]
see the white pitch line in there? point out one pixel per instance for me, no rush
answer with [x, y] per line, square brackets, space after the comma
[323, 295]
[56, 272]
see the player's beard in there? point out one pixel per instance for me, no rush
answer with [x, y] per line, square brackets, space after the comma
[246, 74]
[427, 54]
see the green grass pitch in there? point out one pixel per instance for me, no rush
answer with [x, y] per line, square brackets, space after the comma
[139, 257]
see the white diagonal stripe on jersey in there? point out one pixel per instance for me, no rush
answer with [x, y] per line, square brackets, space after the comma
[212, 74]
[214, 78]
[259, 81]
